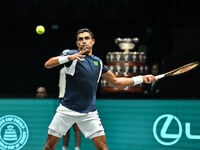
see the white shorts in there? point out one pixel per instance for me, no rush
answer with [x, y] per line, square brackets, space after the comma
[89, 123]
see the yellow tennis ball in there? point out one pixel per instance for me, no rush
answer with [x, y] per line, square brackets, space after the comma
[40, 29]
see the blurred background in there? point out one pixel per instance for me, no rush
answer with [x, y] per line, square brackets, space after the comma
[168, 32]
[169, 35]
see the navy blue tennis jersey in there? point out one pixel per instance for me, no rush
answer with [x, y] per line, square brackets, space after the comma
[82, 78]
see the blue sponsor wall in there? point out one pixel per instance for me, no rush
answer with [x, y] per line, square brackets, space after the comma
[129, 124]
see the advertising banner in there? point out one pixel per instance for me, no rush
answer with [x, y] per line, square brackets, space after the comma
[129, 124]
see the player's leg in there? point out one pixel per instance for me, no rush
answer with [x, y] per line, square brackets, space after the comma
[91, 127]
[51, 142]
[58, 127]
[100, 142]
[77, 136]
[66, 140]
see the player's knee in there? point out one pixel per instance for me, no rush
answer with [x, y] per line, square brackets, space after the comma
[102, 146]
[48, 147]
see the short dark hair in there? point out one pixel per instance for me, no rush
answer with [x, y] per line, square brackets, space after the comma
[85, 30]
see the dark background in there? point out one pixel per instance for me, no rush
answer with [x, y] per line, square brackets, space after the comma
[170, 30]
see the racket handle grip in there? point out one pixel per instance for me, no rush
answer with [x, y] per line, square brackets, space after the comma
[160, 76]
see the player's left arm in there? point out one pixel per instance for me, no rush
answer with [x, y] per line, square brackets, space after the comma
[124, 82]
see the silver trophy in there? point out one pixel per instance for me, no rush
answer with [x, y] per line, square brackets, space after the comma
[126, 44]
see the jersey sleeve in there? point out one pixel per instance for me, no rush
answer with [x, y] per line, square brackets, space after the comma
[104, 69]
[65, 52]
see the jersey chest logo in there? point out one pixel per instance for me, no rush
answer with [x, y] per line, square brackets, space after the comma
[96, 63]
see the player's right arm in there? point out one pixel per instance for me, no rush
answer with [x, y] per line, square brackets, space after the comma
[124, 82]
[58, 60]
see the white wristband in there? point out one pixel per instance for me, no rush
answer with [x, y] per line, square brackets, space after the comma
[63, 59]
[160, 76]
[137, 80]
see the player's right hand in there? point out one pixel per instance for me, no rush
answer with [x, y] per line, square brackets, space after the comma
[149, 79]
[78, 55]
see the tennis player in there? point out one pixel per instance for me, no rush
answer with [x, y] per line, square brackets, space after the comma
[83, 72]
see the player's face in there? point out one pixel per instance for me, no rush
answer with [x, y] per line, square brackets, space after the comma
[85, 41]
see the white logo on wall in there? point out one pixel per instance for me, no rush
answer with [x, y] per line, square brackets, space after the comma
[171, 138]
[13, 133]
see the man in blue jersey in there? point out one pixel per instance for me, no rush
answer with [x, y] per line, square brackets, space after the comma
[83, 72]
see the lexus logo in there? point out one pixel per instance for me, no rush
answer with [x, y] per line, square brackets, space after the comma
[163, 134]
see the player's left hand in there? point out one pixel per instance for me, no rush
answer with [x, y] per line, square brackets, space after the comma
[149, 79]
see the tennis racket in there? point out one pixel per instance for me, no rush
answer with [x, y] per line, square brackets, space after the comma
[179, 70]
